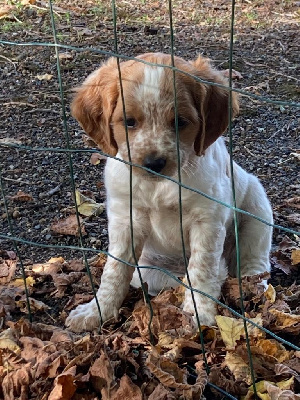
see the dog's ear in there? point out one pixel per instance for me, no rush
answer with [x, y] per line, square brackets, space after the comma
[213, 102]
[94, 103]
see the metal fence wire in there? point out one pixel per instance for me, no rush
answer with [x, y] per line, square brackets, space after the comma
[69, 151]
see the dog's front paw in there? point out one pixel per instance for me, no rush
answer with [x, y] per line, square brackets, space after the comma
[86, 317]
[206, 312]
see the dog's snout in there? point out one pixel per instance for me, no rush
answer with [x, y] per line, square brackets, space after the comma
[156, 164]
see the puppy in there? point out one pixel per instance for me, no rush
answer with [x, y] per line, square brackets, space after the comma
[208, 231]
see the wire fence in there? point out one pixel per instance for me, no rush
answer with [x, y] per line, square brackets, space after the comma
[69, 150]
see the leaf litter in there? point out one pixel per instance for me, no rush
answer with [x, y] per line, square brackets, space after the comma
[43, 360]
[46, 361]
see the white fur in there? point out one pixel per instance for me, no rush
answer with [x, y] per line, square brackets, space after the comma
[207, 226]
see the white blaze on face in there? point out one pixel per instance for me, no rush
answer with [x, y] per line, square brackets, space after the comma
[148, 92]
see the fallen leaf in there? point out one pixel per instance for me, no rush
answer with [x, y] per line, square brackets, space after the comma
[267, 390]
[161, 393]
[20, 282]
[8, 341]
[21, 196]
[87, 206]
[65, 56]
[293, 202]
[5, 10]
[240, 370]
[270, 294]
[8, 264]
[286, 322]
[35, 305]
[127, 390]
[102, 375]
[68, 226]
[96, 158]
[16, 383]
[232, 329]
[27, 2]
[166, 371]
[295, 256]
[9, 140]
[44, 77]
[64, 385]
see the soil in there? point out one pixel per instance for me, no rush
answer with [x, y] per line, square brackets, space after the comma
[265, 136]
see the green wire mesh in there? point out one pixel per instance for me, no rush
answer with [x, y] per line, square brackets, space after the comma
[69, 151]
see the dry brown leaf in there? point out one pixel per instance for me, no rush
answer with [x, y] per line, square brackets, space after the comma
[232, 329]
[44, 77]
[21, 196]
[5, 10]
[8, 262]
[282, 369]
[27, 2]
[171, 376]
[166, 317]
[167, 372]
[270, 294]
[293, 202]
[63, 281]
[64, 385]
[68, 226]
[87, 206]
[102, 375]
[294, 218]
[286, 322]
[8, 341]
[16, 383]
[295, 256]
[96, 158]
[219, 378]
[271, 347]
[65, 56]
[161, 393]
[240, 370]
[127, 390]
[19, 282]
[267, 390]
[35, 305]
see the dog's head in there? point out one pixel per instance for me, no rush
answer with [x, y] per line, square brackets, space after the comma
[148, 110]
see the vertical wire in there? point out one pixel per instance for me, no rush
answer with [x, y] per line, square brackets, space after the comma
[16, 247]
[180, 188]
[114, 11]
[70, 159]
[236, 228]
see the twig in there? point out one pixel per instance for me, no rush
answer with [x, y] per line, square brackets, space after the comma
[41, 110]
[16, 180]
[17, 103]
[248, 151]
[9, 60]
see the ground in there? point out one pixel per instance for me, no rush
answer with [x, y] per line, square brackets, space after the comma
[265, 136]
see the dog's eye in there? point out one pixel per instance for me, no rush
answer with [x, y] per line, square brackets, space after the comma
[130, 122]
[181, 122]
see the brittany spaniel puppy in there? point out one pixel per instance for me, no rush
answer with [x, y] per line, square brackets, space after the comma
[208, 230]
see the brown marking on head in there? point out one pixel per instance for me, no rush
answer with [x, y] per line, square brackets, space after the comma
[213, 106]
[149, 103]
[93, 105]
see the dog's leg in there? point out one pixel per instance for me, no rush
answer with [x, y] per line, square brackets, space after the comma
[116, 276]
[207, 269]
[255, 237]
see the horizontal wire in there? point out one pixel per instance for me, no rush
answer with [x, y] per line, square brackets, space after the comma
[60, 150]
[87, 249]
[124, 57]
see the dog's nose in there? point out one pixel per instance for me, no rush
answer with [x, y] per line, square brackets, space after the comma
[154, 163]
